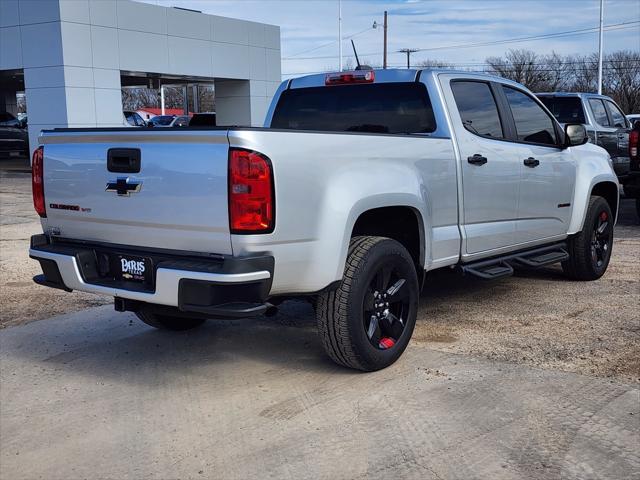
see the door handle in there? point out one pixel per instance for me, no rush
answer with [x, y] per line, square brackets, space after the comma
[123, 160]
[477, 159]
[531, 162]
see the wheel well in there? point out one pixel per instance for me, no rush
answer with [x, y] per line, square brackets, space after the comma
[609, 191]
[402, 224]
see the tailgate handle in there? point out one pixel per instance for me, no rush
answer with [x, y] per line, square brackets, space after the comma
[123, 160]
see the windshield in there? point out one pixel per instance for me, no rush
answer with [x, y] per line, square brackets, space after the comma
[373, 108]
[565, 109]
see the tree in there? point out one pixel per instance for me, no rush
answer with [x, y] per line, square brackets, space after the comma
[430, 63]
[622, 79]
[574, 73]
[522, 66]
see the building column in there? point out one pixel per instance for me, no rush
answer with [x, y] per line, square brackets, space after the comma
[241, 102]
[64, 96]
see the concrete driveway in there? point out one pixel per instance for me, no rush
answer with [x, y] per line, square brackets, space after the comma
[97, 394]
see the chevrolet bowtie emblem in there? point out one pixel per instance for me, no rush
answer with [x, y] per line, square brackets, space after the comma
[124, 186]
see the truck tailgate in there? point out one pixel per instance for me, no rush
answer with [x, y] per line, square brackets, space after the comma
[177, 199]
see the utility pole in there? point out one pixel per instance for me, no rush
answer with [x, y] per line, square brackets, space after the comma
[408, 51]
[384, 56]
[600, 52]
[340, 31]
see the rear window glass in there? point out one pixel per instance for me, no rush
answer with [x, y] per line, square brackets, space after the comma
[374, 108]
[565, 109]
[478, 109]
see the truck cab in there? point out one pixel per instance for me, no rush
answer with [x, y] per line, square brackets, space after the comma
[606, 125]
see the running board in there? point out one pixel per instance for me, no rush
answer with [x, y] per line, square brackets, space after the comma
[543, 259]
[499, 267]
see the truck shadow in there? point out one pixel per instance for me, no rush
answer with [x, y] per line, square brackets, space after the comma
[118, 347]
[108, 346]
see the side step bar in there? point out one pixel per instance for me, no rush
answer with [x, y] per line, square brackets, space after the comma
[499, 267]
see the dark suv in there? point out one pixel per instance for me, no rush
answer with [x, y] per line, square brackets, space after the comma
[606, 125]
[14, 140]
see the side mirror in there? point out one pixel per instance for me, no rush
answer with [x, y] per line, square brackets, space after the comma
[575, 135]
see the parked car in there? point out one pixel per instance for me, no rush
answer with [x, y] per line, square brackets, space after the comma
[632, 182]
[606, 124]
[359, 183]
[14, 142]
[181, 121]
[634, 117]
[9, 120]
[14, 139]
[134, 119]
[161, 121]
[203, 120]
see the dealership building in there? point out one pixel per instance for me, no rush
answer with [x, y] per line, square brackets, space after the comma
[72, 58]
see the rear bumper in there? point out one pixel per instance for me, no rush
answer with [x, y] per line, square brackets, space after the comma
[621, 166]
[631, 184]
[214, 285]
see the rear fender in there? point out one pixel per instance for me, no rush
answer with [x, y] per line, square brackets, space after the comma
[593, 167]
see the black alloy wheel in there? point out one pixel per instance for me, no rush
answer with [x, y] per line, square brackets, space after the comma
[386, 306]
[590, 249]
[367, 322]
[601, 239]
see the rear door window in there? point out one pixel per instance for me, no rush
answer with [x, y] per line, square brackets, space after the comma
[599, 112]
[477, 108]
[618, 118]
[565, 109]
[533, 124]
[375, 108]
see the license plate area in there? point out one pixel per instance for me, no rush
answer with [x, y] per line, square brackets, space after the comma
[131, 268]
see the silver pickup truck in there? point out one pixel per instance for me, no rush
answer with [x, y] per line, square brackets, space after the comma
[359, 183]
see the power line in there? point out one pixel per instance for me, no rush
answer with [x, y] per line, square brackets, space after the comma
[506, 70]
[325, 45]
[611, 27]
[533, 37]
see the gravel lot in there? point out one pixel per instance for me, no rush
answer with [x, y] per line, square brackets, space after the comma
[536, 318]
[98, 394]
[22, 300]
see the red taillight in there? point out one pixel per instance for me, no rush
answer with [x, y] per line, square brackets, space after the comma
[37, 181]
[251, 202]
[359, 76]
[634, 144]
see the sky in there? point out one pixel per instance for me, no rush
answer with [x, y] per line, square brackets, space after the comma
[443, 28]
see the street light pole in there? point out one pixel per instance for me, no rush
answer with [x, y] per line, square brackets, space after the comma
[340, 31]
[600, 52]
[384, 56]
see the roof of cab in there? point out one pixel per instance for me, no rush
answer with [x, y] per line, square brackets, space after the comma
[393, 75]
[571, 94]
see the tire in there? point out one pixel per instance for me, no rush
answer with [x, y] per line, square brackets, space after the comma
[168, 322]
[350, 334]
[638, 207]
[589, 251]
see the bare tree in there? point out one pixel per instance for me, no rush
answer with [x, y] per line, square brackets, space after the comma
[136, 98]
[622, 79]
[431, 63]
[522, 66]
[574, 73]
